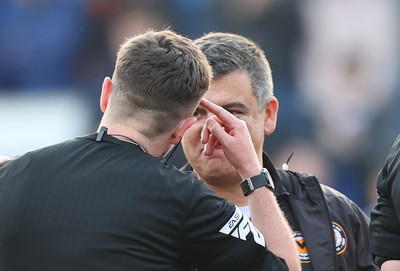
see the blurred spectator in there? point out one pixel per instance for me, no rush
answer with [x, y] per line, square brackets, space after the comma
[109, 23]
[39, 43]
[193, 18]
[347, 73]
[348, 69]
[274, 24]
[39, 48]
[306, 158]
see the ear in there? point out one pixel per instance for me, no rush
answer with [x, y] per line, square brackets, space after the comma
[181, 129]
[105, 93]
[271, 115]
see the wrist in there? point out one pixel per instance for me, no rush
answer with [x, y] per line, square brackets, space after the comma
[262, 179]
[249, 172]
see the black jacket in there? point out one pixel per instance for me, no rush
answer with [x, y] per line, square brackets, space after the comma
[106, 205]
[331, 231]
[385, 216]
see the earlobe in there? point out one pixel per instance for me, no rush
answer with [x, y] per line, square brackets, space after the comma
[271, 115]
[105, 93]
[183, 126]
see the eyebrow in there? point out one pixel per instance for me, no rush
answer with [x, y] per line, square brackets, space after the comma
[235, 105]
[228, 106]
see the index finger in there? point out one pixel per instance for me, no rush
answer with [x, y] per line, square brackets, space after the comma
[220, 112]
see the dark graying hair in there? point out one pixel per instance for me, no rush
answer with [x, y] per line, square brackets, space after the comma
[228, 52]
[161, 75]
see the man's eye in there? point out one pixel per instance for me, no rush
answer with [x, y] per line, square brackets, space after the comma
[234, 112]
[199, 112]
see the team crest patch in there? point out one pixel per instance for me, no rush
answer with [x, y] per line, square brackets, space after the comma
[301, 247]
[340, 242]
[340, 238]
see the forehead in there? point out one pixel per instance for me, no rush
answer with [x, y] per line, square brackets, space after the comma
[235, 86]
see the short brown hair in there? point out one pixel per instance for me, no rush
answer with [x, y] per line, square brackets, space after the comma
[161, 75]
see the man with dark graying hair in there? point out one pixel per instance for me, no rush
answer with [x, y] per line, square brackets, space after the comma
[108, 201]
[330, 230]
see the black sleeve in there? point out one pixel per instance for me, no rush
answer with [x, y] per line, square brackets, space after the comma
[220, 237]
[394, 179]
[360, 223]
[385, 216]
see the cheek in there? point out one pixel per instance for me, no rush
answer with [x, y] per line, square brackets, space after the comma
[193, 132]
[258, 141]
[191, 138]
[257, 135]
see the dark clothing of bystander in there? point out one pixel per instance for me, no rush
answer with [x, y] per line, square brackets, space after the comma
[385, 216]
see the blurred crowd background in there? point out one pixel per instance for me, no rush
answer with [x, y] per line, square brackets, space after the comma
[335, 67]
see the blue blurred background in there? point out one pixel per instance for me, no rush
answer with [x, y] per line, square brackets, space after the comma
[335, 66]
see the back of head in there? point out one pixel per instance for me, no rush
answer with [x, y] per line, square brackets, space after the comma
[228, 52]
[159, 78]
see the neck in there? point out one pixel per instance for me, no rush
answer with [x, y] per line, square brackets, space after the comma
[234, 195]
[228, 190]
[156, 147]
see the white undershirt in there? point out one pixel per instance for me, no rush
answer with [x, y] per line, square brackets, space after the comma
[245, 210]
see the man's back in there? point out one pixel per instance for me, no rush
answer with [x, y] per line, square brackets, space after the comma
[78, 205]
